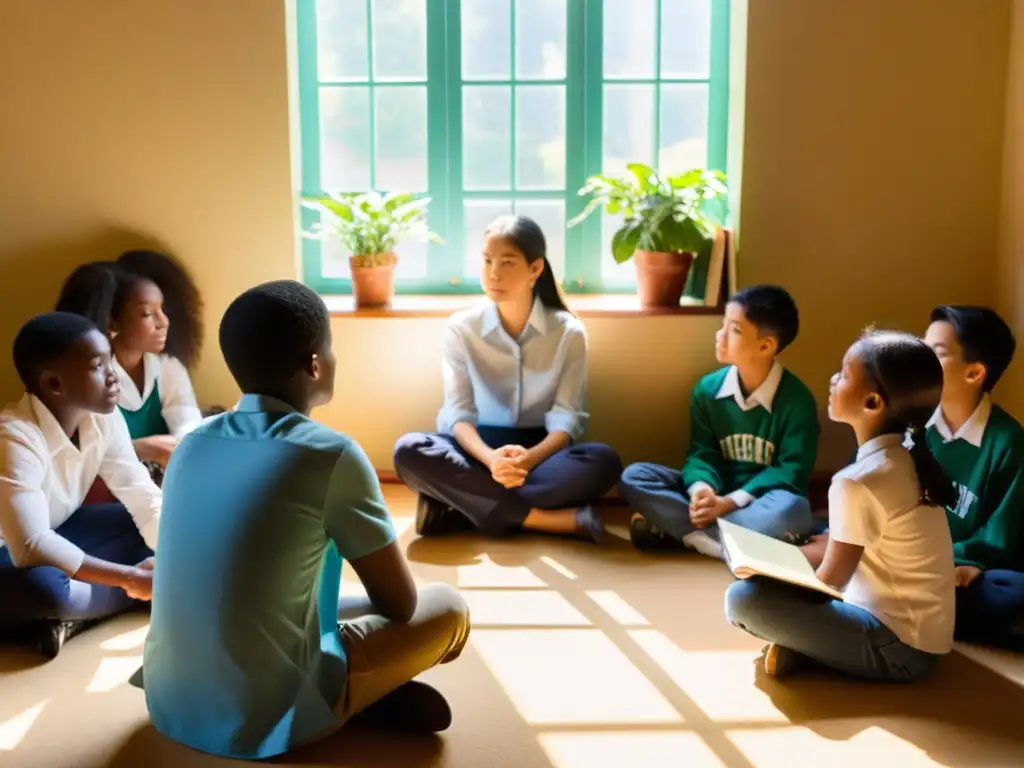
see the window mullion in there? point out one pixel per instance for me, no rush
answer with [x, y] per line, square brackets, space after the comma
[591, 254]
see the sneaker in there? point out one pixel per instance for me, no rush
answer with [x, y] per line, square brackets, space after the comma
[414, 707]
[647, 537]
[433, 517]
[703, 542]
[53, 634]
[589, 525]
[780, 662]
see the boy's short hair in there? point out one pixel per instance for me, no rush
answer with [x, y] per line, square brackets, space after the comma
[984, 338]
[772, 309]
[43, 339]
[270, 331]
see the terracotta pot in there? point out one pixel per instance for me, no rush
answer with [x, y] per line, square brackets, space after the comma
[660, 277]
[374, 287]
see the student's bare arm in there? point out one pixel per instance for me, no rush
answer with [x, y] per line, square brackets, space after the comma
[466, 435]
[840, 563]
[388, 582]
[136, 581]
[549, 446]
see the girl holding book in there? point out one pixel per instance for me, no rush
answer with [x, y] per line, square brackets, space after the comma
[888, 548]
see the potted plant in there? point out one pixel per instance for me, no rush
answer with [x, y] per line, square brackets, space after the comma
[370, 226]
[667, 222]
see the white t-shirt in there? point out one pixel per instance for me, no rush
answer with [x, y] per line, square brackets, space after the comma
[44, 478]
[905, 577]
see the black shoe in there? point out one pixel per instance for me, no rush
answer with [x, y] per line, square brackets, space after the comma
[433, 517]
[52, 635]
[414, 707]
[647, 537]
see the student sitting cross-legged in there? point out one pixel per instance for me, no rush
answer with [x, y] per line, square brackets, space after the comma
[64, 565]
[507, 457]
[981, 448]
[245, 656]
[888, 548]
[753, 440]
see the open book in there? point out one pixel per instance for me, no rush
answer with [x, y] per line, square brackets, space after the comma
[749, 553]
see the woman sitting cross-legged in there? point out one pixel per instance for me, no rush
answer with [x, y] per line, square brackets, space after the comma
[505, 457]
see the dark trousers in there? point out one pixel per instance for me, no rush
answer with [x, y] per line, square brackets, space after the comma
[436, 466]
[991, 610]
[105, 531]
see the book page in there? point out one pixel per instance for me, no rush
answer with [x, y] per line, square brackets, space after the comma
[749, 553]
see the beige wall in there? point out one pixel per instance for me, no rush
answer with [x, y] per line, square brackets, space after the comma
[1011, 251]
[871, 167]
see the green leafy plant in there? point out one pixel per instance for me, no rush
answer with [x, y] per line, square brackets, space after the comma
[671, 213]
[370, 225]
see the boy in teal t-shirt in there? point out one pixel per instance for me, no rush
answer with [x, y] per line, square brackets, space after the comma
[753, 440]
[981, 448]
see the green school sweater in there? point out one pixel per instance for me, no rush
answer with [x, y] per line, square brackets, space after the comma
[987, 522]
[756, 451]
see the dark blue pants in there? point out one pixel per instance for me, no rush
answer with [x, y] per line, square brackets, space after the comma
[991, 610]
[105, 531]
[436, 466]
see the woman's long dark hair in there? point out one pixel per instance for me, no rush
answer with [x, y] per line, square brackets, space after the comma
[99, 291]
[906, 374]
[527, 236]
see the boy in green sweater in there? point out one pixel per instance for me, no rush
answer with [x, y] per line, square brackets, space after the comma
[981, 448]
[753, 440]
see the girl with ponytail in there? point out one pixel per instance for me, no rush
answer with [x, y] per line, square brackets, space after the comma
[506, 455]
[888, 547]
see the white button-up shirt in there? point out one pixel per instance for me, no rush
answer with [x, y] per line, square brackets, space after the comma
[178, 403]
[972, 430]
[44, 478]
[492, 379]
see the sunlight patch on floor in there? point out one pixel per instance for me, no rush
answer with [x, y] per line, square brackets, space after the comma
[488, 574]
[112, 672]
[570, 676]
[796, 747]
[528, 607]
[635, 749]
[126, 641]
[13, 730]
[719, 682]
[557, 567]
[624, 613]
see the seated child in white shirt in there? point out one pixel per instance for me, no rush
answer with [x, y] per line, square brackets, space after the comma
[64, 565]
[888, 548]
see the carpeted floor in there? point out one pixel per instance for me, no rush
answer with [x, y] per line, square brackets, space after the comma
[579, 658]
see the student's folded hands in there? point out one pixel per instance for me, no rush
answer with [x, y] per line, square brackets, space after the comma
[965, 574]
[507, 468]
[706, 507]
[156, 448]
[140, 585]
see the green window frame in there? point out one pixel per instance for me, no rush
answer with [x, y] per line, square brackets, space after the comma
[584, 85]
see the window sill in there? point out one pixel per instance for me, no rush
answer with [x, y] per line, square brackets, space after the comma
[585, 305]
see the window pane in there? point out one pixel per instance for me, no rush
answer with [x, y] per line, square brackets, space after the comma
[399, 39]
[412, 261]
[613, 273]
[341, 40]
[540, 39]
[401, 128]
[486, 137]
[540, 137]
[345, 138]
[685, 38]
[550, 214]
[486, 39]
[628, 127]
[477, 215]
[684, 128]
[629, 38]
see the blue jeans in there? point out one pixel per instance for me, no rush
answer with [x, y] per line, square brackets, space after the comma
[105, 531]
[991, 610]
[437, 466]
[657, 493]
[842, 637]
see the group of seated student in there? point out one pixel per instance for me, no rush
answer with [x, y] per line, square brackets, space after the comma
[251, 652]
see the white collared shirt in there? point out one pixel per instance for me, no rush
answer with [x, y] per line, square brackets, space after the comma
[178, 403]
[537, 380]
[763, 396]
[972, 430]
[44, 478]
[905, 576]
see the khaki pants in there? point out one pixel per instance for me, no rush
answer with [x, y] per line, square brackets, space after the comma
[383, 654]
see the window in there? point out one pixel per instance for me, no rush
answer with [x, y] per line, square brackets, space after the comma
[501, 106]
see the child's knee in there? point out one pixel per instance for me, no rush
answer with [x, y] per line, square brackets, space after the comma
[741, 601]
[637, 476]
[408, 452]
[448, 610]
[47, 592]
